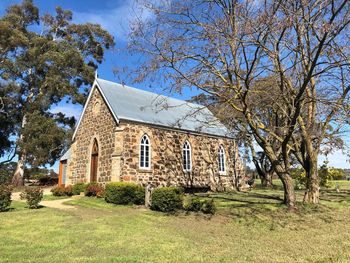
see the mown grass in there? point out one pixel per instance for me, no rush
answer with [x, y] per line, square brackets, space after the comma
[248, 227]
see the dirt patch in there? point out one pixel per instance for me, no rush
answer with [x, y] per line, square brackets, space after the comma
[58, 204]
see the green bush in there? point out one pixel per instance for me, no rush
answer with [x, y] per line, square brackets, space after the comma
[79, 188]
[5, 197]
[62, 190]
[94, 189]
[208, 206]
[68, 190]
[299, 176]
[193, 204]
[33, 195]
[58, 191]
[123, 193]
[166, 199]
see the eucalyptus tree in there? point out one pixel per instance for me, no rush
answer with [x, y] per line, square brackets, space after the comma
[230, 45]
[44, 60]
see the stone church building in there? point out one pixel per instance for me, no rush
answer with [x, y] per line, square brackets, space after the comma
[128, 134]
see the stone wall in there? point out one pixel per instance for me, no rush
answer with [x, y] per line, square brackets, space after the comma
[119, 146]
[97, 123]
[166, 158]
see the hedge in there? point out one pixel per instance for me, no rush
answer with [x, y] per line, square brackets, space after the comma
[5, 197]
[94, 189]
[79, 188]
[166, 199]
[123, 193]
[62, 190]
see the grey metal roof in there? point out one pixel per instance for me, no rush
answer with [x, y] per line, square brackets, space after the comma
[146, 107]
[66, 155]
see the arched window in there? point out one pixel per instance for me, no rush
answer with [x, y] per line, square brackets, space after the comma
[222, 159]
[186, 155]
[145, 153]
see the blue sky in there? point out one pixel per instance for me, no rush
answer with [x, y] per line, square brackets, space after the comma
[114, 16]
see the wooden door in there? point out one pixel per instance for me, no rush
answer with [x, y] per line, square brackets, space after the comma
[94, 162]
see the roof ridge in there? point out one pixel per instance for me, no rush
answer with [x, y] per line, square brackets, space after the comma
[146, 91]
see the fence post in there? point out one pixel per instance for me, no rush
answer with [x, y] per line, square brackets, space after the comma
[148, 194]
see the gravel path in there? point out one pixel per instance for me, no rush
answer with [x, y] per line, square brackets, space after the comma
[15, 196]
[58, 204]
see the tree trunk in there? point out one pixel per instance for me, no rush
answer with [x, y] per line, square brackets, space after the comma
[266, 180]
[265, 177]
[18, 176]
[18, 179]
[287, 181]
[312, 192]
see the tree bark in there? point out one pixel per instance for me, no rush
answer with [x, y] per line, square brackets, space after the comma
[266, 180]
[287, 181]
[312, 192]
[18, 177]
[265, 177]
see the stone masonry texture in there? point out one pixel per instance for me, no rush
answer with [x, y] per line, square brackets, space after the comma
[119, 150]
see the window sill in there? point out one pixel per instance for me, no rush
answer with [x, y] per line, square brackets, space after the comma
[144, 170]
[223, 173]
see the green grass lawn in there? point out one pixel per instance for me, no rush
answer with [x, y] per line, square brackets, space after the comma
[248, 227]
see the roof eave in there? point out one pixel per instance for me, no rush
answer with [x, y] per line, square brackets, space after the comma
[166, 127]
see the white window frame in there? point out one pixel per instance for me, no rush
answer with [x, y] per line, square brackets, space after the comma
[186, 157]
[143, 146]
[222, 160]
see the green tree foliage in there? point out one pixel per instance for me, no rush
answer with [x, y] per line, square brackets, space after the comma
[326, 175]
[6, 172]
[44, 60]
[43, 139]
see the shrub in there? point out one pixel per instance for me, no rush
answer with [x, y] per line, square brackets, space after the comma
[62, 191]
[68, 190]
[208, 206]
[58, 191]
[193, 204]
[299, 176]
[79, 188]
[123, 193]
[94, 189]
[33, 195]
[5, 197]
[166, 199]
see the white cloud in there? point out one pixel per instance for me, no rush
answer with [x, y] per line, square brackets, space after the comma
[116, 20]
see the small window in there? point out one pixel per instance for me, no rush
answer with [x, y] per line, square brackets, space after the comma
[145, 155]
[222, 159]
[186, 155]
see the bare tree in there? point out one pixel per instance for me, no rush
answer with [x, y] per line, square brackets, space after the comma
[229, 45]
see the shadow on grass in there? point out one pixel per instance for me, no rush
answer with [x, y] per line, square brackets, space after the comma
[265, 207]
